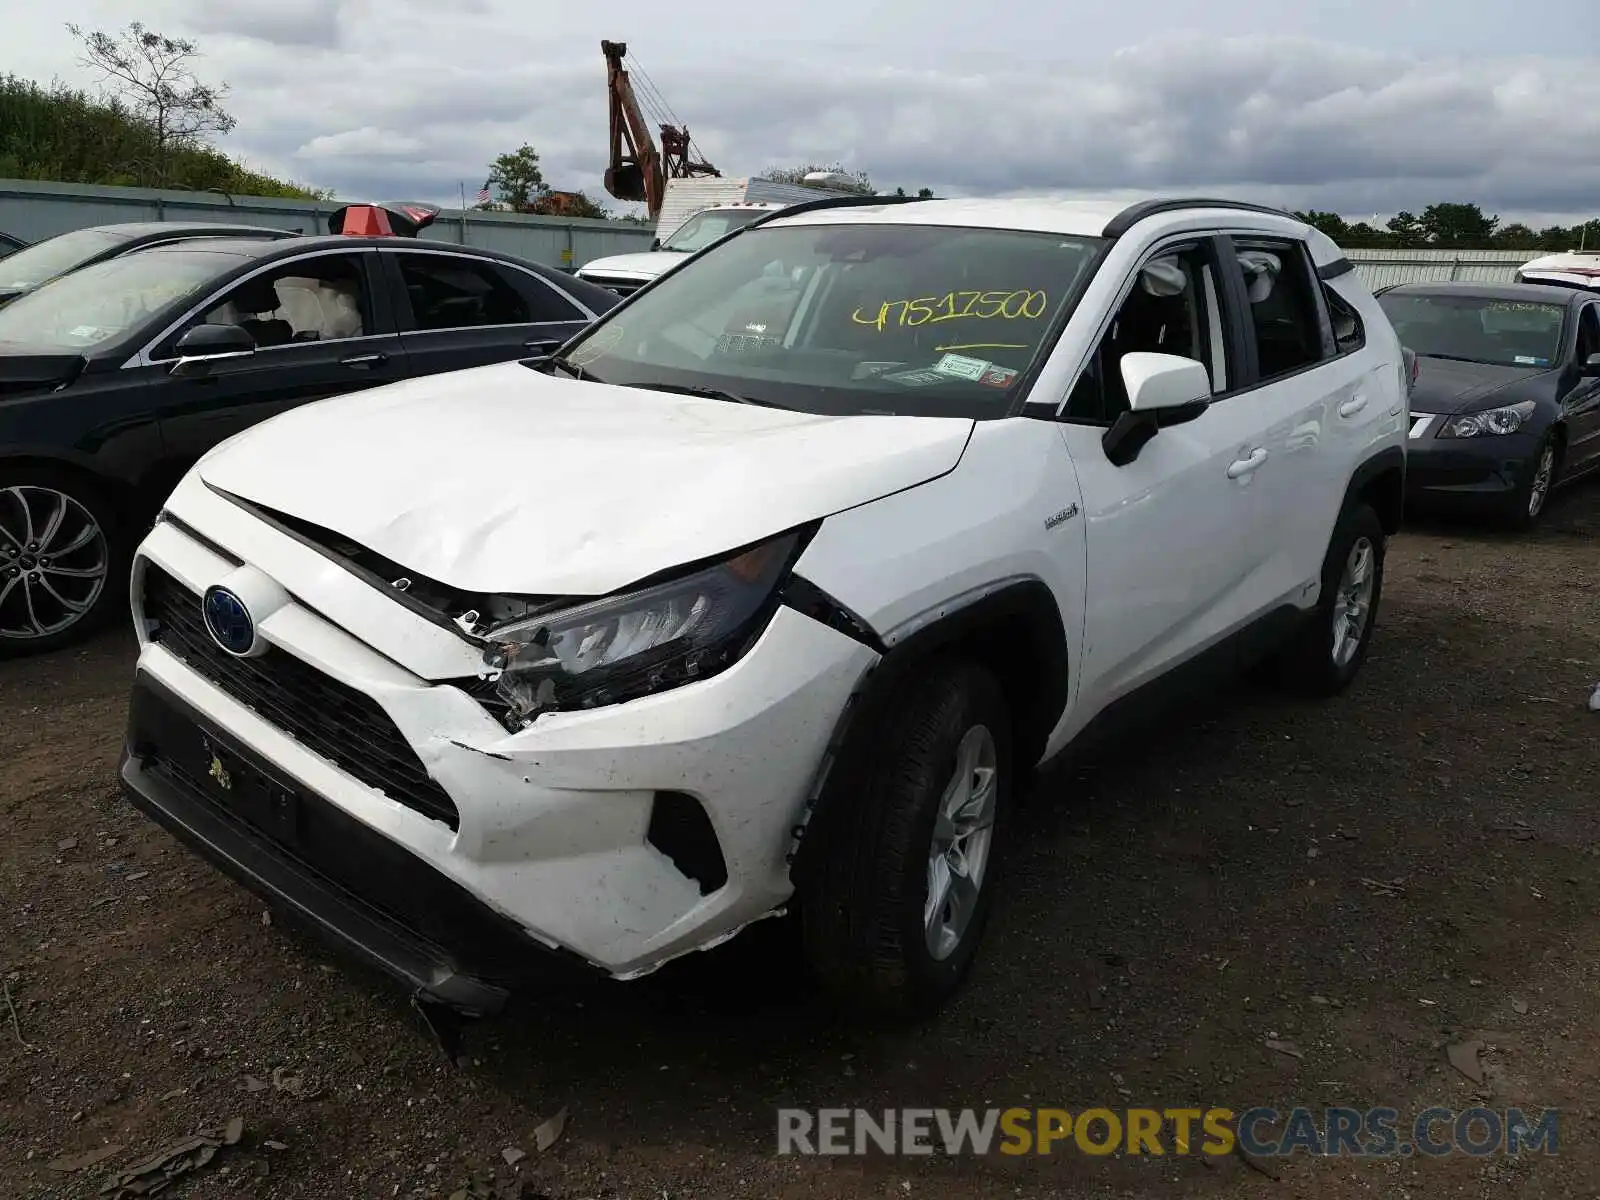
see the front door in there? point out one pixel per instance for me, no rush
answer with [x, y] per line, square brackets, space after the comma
[320, 329]
[1165, 543]
[1581, 404]
[459, 310]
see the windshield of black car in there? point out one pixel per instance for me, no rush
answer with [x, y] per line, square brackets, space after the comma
[1480, 329]
[706, 227]
[850, 317]
[106, 301]
[45, 260]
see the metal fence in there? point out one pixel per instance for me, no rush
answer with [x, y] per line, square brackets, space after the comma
[1380, 268]
[32, 211]
[38, 210]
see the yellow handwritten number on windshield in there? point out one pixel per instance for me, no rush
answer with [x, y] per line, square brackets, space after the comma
[954, 306]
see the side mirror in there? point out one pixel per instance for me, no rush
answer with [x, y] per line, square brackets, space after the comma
[206, 345]
[656, 245]
[1163, 390]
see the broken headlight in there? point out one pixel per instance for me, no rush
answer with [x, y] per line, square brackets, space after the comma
[656, 637]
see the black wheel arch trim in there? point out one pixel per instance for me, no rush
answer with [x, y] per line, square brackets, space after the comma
[1041, 659]
[1389, 459]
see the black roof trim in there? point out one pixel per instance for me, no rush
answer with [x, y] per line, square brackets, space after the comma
[1134, 213]
[1339, 266]
[806, 206]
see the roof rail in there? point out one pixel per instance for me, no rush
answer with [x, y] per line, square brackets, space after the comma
[833, 202]
[1134, 213]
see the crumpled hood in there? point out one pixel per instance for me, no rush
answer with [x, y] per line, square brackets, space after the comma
[643, 266]
[1446, 386]
[504, 479]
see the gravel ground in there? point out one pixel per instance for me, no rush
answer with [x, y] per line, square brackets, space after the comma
[1374, 879]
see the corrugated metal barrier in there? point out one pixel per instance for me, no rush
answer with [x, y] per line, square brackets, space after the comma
[32, 211]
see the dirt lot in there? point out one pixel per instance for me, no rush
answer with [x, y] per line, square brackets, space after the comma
[1374, 879]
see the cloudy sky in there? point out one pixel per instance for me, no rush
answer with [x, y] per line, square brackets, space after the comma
[1365, 107]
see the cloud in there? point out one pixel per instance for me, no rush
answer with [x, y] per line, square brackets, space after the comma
[366, 142]
[402, 98]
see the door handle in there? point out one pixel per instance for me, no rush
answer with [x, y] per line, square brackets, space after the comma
[364, 360]
[1352, 406]
[1242, 467]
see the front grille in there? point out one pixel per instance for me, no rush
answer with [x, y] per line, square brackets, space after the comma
[338, 723]
[622, 287]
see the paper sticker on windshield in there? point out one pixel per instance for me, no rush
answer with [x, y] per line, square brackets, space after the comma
[84, 331]
[922, 378]
[1527, 360]
[962, 367]
[998, 377]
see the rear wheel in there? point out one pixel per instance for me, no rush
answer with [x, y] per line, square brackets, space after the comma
[60, 566]
[1330, 647]
[898, 904]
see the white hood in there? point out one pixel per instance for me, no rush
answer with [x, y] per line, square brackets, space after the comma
[504, 479]
[640, 266]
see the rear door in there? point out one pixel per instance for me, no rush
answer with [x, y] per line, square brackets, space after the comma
[322, 328]
[460, 310]
[1312, 403]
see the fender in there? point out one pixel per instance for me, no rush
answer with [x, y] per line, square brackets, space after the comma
[1016, 630]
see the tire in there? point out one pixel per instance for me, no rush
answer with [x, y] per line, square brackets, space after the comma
[1316, 662]
[1533, 497]
[50, 600]
[862, 909]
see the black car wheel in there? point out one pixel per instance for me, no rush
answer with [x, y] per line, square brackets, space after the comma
[58, 561]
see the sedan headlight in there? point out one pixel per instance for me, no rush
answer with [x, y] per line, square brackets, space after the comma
[1495, 421]
[656, 637]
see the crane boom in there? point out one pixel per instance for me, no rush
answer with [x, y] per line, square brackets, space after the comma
[636, 169]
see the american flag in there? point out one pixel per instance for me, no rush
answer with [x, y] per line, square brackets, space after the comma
[483, 194]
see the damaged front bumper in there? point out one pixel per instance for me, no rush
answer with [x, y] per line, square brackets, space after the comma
[622, 836]
[304, 855]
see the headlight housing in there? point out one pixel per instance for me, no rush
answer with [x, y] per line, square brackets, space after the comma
[656, 637]
[1494, 421]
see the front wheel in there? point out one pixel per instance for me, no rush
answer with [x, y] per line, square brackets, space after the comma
[1330, 647]
[1532, 497]
[898, 904]
[59, 566]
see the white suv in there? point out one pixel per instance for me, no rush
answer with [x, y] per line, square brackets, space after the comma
[766, 594]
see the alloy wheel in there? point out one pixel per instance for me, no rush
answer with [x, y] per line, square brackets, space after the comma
[54, 562]
[1352, 601]
[963, 835]
[1539, 489]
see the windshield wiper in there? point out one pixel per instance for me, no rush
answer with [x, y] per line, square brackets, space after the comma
[1457, 358]
[567, 365]
[708, 393]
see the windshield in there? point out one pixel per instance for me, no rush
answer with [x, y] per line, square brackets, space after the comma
[706, 227]
[850, 318]
[1505, 333]
[107, 301]
[49, 258]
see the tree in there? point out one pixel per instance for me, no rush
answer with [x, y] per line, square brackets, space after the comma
[1515, 237]
[152, 74]
[1329, 223]
[1406, 232]
[922, 193]
[852, 181]
[70, 136]
[1457, 226]
[517, 177]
